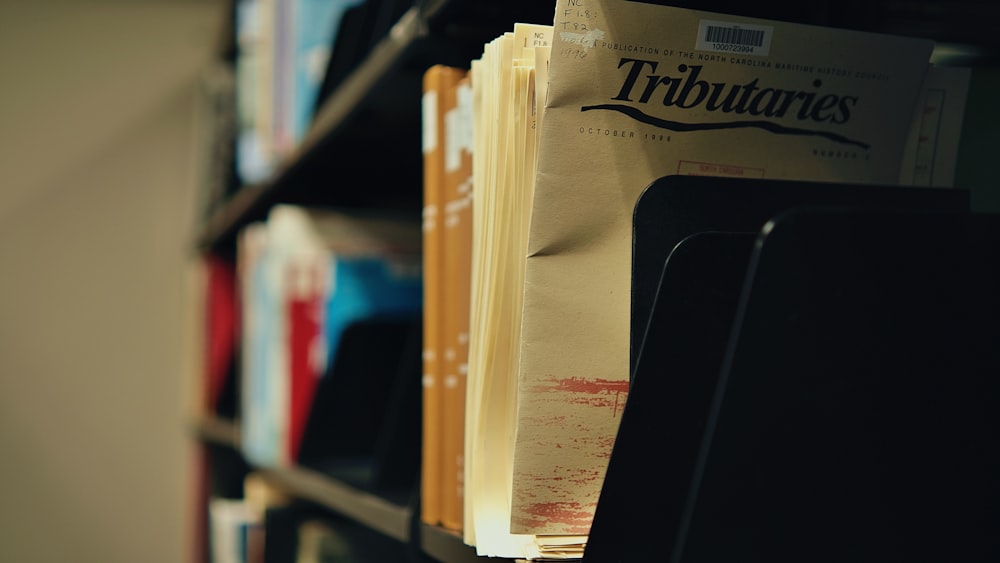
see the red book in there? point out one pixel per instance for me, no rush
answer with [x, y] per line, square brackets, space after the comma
[304, 310]
[222, 327]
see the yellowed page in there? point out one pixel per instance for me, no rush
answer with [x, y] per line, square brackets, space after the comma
[473, 383]
[503, 173]
[481, 155]
[489, 420]
[637, 91]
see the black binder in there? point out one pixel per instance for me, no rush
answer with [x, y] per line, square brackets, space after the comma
[673, 207]
[857, 412]
[363, 426]
[655, 453]
[693, 239]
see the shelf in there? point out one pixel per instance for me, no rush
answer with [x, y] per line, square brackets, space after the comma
[445, 545]
[373, 511]
[385, 516]
[374, 115]
[217, 431]
[364, 150]
[252, 202]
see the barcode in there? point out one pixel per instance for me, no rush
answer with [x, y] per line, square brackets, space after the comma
[734, 35]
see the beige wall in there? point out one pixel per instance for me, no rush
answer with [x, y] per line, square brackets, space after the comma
[96, 208]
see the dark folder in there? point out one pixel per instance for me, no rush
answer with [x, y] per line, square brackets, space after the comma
[692, 241]
[664, 418]
[857, 414]
[673, 207]
[363, 426]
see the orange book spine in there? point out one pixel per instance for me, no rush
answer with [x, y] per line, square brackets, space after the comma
[436, 87]
[458, 272]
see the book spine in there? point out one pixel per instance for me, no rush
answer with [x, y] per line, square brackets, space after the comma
[458, 264]
[222, 330]
[304, 308]
[430, 474]
[440, 83]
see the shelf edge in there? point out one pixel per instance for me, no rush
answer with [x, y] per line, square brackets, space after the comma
[217, 431]
[368, 509]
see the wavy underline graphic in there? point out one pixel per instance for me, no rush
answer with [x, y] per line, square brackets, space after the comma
[678, 126]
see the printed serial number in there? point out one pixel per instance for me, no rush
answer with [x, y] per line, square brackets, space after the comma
[732, 48]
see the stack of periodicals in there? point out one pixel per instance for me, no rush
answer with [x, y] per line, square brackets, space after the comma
[306, 277]
[479, 141]
[509, 84]
[569, 124]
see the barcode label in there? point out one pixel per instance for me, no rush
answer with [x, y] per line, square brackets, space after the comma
[735, 38]
[735, 35]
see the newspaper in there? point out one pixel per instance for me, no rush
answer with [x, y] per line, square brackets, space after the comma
[637, 91]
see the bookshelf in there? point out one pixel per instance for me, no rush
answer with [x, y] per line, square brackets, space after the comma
[390, 517]
[363, 151]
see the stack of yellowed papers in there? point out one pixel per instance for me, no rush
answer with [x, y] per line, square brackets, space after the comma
[629, 92]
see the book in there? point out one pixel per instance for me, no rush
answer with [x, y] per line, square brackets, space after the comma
[373, 264]
[364, 428]
[222, 332]
[317, 23]
[254, 160]
[258, 390]
[309, 273]
[235, 531]
[280, 36]
[283, 53]
[637, 91]
[437, 99]
[457, 268]
[305, 300]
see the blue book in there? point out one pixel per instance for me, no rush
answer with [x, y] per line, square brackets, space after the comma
[371, 286]
[307, 275]
[316, 26]
[253, 161]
